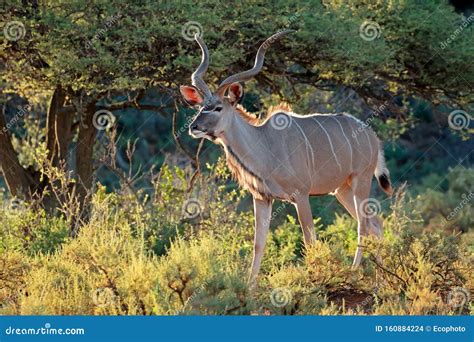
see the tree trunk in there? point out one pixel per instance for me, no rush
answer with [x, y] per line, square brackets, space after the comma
[85, 148]
[84, 163]
[24, 182]
[17, 178]
[59, 128]
[58, 136]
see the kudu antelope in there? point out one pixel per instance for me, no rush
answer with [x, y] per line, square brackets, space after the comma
[288, 156]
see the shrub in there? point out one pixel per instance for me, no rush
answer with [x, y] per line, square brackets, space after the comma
[14, 268]
[29, 229]
[105, 270]
[141, 255]
[204, 276]
[411, 271]
[450, 207]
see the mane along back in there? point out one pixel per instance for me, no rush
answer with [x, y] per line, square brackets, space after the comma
[281, 107]
[256, 121]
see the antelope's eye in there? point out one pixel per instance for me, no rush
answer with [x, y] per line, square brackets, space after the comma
[217, 109]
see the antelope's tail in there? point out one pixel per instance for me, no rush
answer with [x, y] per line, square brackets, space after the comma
[382, 174]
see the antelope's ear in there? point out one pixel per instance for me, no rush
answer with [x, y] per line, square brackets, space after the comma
[236, 93]
[191, 95]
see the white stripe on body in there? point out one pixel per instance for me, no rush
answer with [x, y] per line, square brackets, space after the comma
[343, 133]
[330, 143]
[307, 144]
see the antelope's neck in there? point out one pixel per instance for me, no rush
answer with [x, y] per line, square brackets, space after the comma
[242, 145]
[241, 140]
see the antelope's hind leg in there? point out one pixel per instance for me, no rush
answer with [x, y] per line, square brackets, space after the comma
[305, 217]
[374, 224]
[345, 196]
[361, 191]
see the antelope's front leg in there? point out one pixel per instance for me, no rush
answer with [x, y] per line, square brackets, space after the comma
[262, 211]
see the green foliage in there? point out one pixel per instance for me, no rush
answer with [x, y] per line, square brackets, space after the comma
[284, 245]
[29, 229]
[31, 144]
[450, 207]
[126, 46]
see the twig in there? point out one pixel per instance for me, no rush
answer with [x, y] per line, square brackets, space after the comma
[198, 167]
[374, 259]
[178, 139]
